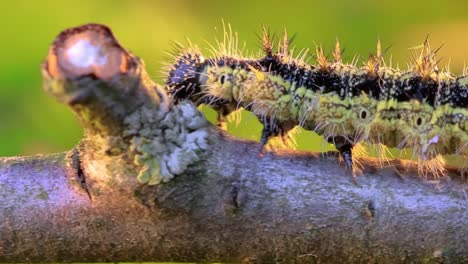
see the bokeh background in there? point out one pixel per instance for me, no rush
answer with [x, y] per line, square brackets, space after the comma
[31, 122]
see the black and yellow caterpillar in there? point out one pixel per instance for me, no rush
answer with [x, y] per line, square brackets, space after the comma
[422, 108]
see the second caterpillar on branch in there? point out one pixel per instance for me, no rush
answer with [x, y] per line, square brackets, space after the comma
[422, 108]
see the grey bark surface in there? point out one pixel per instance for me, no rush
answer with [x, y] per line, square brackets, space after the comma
[229, 204]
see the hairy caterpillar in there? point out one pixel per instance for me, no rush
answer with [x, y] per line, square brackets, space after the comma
[422, 108]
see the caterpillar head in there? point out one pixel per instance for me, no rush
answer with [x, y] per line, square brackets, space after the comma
[183, 81]
[233, 84]
[219, 83]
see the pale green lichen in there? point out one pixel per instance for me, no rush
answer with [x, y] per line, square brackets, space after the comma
[165, 143]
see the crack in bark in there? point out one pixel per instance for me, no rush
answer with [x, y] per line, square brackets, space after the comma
[81, 177]
[235, 196]
[78, 171]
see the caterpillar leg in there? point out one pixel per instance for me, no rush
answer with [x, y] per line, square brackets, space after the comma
[221, 120]
[288, 138]
[464, 169]
[273, 128]
[346, 153]
[270, 129]
[464, 173]
[267, 133]
[345, 148]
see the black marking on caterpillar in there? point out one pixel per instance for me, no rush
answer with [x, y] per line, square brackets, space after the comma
[422, 108]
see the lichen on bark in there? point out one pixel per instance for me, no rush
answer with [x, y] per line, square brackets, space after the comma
[166, 142]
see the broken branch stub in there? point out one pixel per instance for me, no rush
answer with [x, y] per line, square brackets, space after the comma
[130, 124]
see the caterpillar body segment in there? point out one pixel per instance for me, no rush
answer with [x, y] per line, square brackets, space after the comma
[183, 74]
[453, 138]
[454, 106]
[264, 95]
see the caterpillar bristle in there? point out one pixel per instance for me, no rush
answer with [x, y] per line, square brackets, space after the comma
[375, 62]
[283, 45]
[355, 61]
[321, 59]
[228, 46]
[301, 57]
[383, 154]
[378, 52]
[337, 52]
[267, 42]
[359, 151]
[425, 62]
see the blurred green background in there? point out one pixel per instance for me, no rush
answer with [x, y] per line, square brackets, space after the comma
[31, 122]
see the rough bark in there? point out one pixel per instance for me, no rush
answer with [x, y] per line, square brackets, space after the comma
[227, 205]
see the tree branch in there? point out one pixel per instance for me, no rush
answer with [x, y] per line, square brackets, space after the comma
[154, 181]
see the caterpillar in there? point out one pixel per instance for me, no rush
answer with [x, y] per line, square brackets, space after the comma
[422, 108]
